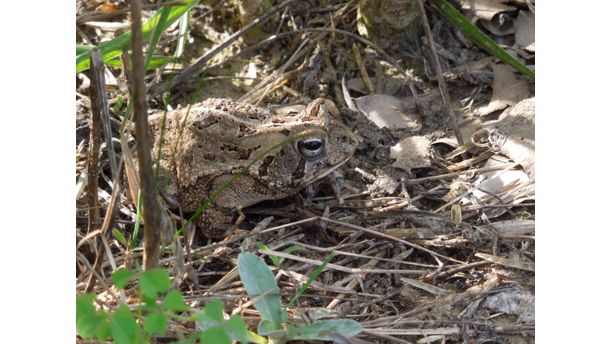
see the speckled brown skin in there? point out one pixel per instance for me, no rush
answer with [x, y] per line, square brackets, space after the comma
[209, 142]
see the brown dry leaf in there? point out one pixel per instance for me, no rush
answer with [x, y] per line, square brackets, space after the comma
[500, 187]
[411, 152]
[507, 90]
[485, 9]
[524, 26]
[513, 134]
[468, 125]
[518, 120]
[388, 111]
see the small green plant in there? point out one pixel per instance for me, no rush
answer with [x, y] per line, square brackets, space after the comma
[262, 289]
[161, 305]
[137, 324]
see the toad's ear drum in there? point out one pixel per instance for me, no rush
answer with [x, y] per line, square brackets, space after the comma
[321, 106]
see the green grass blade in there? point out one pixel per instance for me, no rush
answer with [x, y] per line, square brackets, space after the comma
[311, 279]
[162, 24]
[115, 47]
[138, 219]
[480, 39]
[183, 28]
[83, 48]
[157, 61]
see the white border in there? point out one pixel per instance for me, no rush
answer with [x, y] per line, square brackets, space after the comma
[573, 130]
[37, 172]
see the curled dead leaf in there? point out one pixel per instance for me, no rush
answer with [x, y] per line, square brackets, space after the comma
[513, 135]
[524, 25]
[507, 90]
[388, 111]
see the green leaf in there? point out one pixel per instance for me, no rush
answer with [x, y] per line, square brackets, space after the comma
[84, 305]
[155, 62]
[121, 277]
[479, 38]
[261, 287]
[83, 48]
[104, 331]
[215, 335]
[236, 328]
[211, 316]
[321, 330]
[154, 281]
[266, 328]
[118, 104]
[157, 32]
[254, 338]
[277, 261]
[174, 302]
[188, 340]
[115, 47]
[119, 236]
[155, 323]
[214, 310]
[203, 322]
[293, 248]
[150, 303]
[123, 326]
[262, 246]
[89, 321]
[89, 325]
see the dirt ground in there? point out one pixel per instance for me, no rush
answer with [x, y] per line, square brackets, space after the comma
[437, 225]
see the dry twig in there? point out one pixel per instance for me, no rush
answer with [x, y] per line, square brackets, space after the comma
[441, 82]
[150, 205]
[98, 103]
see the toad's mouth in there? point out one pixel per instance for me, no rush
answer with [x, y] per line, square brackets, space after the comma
[326, 172]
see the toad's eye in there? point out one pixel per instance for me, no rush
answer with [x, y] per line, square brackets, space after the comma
[311, 147]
